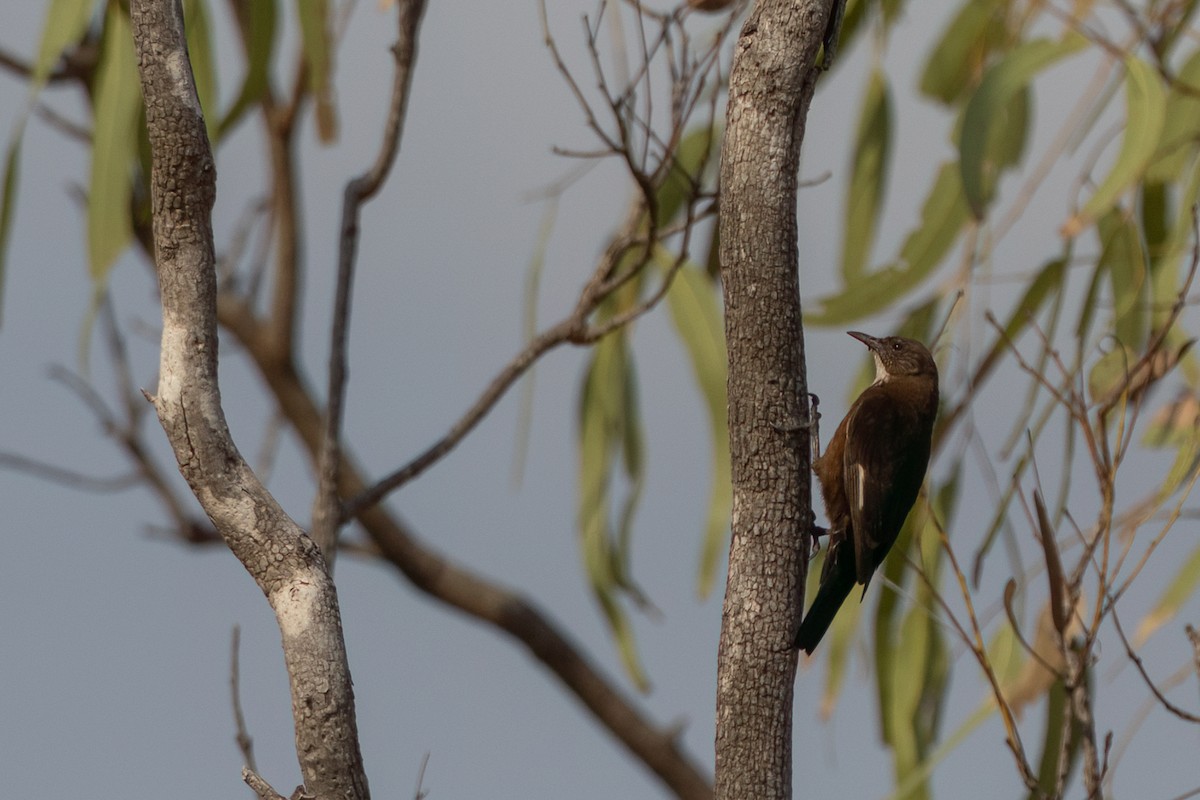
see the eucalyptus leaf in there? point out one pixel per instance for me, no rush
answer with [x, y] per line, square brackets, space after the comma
[66, 22]
[118, 101]
[1145, 115]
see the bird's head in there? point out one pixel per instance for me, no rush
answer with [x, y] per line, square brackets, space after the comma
[897, 356]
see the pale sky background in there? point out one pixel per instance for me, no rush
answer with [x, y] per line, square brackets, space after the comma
[115, 652]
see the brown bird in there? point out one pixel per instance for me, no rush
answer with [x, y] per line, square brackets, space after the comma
[871, 473]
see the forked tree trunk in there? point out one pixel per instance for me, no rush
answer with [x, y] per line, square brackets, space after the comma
[283, 561]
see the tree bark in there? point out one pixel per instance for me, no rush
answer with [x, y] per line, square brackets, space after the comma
[771, 85]
[283, 561]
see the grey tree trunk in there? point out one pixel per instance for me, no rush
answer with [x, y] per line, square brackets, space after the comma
[283, 561]
[771, 85]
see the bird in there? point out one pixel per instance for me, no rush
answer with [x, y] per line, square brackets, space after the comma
[871, 473]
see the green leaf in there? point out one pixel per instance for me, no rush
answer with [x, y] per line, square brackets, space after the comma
[318, 48]
[8, 202]
[870, 165]
[1090, 304]
[1187, 462]
[906, 675]
[1145, 114]
[1181, 130]
[66, 22]
[256, 22]
[1175, 423]
[861, 12]
[204, 68]
[118, 98]
[695, 155]
[957, 58]
[1124, 261]
[692, 303]
[891, 585]
[942, 219]
[1108, 375]
[608, 426]
[990, 112]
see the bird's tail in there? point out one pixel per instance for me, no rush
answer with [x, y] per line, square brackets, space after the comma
[835, 588]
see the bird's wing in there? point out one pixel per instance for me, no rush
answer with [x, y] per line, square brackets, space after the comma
[881, 477]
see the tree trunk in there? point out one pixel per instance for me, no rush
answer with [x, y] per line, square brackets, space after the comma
[771, 85]
[283, 561]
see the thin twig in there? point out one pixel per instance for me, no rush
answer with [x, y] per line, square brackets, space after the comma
[260, 786]
[326, 507]
[628, 253]
[420, 793]
[67, 477]
[1184, 715]
[244, 741]
[975, 643]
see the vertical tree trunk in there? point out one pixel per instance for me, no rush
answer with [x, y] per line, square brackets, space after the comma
[771, 85]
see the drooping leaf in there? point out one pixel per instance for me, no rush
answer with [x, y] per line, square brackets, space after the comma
[1124, 260]
[8, 201]
[1145, 114]
[906, 676]
[693, 307]
[942, 218]
[118, 98]
[204, 67]
[1184, 467]
[533, 282]
[695, 156]
[256, 23]
[870, 166]
[318, 56]
[887, 623]
[861, 12]
[1110, 374]
[1175, 423]
[607, 413]
[957, 59]
[1048, 283]
[66, 22]
[990, 113]
[1181, 129]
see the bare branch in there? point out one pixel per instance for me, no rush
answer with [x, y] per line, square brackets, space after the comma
[260, 786]
[67, 477]
[326, 506]
[975, 643]
[1186, 716]
[573, 329]
[77, 63]
[420, 793]
[470, 592]
[244, 742]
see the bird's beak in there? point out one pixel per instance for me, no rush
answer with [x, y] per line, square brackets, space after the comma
[876, 347]
[869, 341]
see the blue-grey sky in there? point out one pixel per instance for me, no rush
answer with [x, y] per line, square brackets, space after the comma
[116, 654]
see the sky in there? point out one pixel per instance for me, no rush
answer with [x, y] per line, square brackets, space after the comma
[117, 640]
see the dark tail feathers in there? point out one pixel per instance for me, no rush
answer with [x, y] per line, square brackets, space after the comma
[833, 592]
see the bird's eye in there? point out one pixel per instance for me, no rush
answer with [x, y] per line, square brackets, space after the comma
[897, 346]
